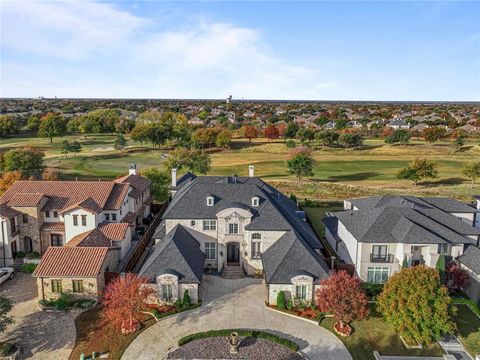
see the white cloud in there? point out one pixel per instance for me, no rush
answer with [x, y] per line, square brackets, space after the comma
[90, 49]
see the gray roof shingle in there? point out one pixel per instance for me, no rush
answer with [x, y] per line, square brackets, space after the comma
[471, 259]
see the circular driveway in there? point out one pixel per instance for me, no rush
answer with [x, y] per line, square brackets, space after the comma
[229, 304]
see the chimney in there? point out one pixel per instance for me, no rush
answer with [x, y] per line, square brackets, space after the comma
[174, 177]
[251, 171]
[133, 169]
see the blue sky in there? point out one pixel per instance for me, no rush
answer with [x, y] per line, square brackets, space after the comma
[319, 50]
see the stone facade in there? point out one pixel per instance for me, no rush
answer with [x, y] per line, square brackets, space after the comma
[290, 289]
[178, 290]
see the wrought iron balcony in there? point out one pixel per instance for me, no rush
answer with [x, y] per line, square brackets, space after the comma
[381, 258]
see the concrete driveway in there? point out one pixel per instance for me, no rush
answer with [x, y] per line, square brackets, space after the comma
[42, 335]
[235, 304]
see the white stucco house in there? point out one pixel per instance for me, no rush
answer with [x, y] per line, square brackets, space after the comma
[234, 224]
[380, 235]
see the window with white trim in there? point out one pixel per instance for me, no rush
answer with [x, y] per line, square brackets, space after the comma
[167, 292]
[378, 274]
[210, 253]
[210, 201]
[442, 249]
[256, 249]
[301, 292]
[209, 225]
[255, 201]
[233, 228]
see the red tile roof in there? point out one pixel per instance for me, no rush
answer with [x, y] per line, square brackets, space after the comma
[117, 196]
[88, 205]
[137, 182]
[101, 236]
[7, 212]
[26, 199]
[53, 226]
[66, 261]
[129, 218]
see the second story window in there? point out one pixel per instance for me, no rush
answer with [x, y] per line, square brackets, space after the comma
[209, 225]
[114, 217]
[55, 214]
[107, 217]
[233, 228]
[25, 218]
[75, 220]
[442, 249]
[47, 214]
[84, 220]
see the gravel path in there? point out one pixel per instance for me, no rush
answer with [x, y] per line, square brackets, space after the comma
[218, 348]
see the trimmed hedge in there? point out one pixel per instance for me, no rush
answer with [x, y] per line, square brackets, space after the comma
[470, 303]
[248, 333]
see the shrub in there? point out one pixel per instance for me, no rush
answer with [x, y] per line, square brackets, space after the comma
[20, 254]
[290, 144]
[247, 333]
[186, 299]
[281, 300]
[372, 290]
[7, 349]
[289, 304]
[34, 255]
[29, 268]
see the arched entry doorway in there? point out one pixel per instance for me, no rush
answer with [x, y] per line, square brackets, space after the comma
[27, 244]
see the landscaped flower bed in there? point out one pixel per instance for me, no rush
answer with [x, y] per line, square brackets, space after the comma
[310, 312]
[161, 311]
[65, 302]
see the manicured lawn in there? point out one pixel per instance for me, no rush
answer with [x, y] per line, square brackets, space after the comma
[468, 326]
[91, 336]
[317, 213]
[375, 334]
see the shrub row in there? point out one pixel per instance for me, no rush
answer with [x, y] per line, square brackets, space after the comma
[247, 333]
[472, 304]
[67, 301]
[159, 315]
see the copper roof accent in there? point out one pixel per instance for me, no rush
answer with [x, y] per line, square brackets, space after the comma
[63, 261]
[7, 212]
[63, 194]
[101, 236]
[88, 205]
[137, 182]
[26, 199]
[117, 196]
[53, 226]
[129, 218]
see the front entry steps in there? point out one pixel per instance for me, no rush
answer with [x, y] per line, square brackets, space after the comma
[233, 272]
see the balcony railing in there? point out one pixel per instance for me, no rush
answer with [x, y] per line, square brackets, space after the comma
[381, 258]
[15, 230]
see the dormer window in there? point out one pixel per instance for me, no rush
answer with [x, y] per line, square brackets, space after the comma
[255, 201]
[210, 201]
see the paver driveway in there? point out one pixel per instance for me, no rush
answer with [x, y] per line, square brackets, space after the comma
[235, 304]
[42, 335]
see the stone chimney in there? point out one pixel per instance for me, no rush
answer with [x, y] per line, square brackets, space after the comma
[251, 171]
[174, 177]
[133, 169]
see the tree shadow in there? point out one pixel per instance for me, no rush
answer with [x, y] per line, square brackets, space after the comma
[352, 177]
[446, 181]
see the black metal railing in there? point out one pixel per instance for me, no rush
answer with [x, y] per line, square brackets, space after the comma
[15, 230]
[381, 258]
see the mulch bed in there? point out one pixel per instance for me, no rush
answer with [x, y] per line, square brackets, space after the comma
[218, 348]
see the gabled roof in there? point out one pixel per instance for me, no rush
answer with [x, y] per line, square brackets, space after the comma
[180, 252]
[53, 226]
[102, 236]
[471, 259]
[7, 212]
[26, 199]
[66, 261]
[289, 257]
[137, 182]
[404, 225]
[87, 204]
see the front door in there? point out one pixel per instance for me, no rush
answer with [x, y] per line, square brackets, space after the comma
[14, 249]
[27, 244]
[233, 253]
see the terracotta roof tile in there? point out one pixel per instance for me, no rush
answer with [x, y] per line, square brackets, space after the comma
[101, 236]
[88, 205]
[26, 199]
[137, 182]
[7, 212]
[53, 226]
[129, 218]
[116, 197]
[66, 261]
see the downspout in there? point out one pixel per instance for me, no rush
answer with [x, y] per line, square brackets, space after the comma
[43, 290]
[3, 240]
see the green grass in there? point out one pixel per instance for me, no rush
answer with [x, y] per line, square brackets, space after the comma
[374, 334]
[317, 213]
[468, 327]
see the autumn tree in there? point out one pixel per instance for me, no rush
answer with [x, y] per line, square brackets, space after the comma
[342, 295]
[305, 134]
[326, 137]
[249, 132]
[124, 300]
[28, 161]
[194, 160]
[160, 183]
[419, 170]
[140, 133]
[350, 140]
[33, 123]
[50, 174]
[291, 131]
[271, 132]
[7, 126]
[204, 137]
[300, 162]
[416, 304]
[433, 134]
[52, 125]
[455, 277]
[7, 179]
[223, 139]
[471, 171]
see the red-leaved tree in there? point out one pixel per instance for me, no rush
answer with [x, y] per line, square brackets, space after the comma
[271, 132]
[250, 132]
[124, 299]
[342, 295]
[455, 277]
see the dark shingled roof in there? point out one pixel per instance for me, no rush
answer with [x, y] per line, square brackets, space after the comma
[179, 252]
[471, 259]
[405, 225]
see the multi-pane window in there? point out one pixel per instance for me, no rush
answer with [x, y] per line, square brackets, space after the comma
[379, 252]
[256, 250]
[210, 251]
[209, 225]
[233, 228]
[167, 292]
[84, 220]
[75, 220]
[442, 249]
[77, 286]
[378, 274]
[56, 240]
[114, 217]
[301, 292]
[56, 286]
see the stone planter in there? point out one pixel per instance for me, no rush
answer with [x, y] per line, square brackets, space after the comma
[345, 331]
